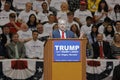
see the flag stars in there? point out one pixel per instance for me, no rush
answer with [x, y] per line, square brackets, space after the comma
[110, 67]
[39, 69]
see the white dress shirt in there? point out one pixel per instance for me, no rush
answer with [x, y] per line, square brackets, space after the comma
[61, 34]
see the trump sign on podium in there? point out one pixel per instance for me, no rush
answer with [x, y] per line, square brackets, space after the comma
[66, 50]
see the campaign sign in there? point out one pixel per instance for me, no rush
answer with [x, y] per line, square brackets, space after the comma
[66, 50]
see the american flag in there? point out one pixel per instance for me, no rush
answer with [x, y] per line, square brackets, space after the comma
[100, 69]
[21, 70]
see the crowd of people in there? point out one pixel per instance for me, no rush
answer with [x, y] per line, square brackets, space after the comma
[25, 25]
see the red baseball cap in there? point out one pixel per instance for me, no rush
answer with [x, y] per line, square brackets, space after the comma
[83, 2]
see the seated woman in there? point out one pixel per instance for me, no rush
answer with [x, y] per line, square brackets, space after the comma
[32, 22]
[109, 33]
[115, 46]
[93, 34]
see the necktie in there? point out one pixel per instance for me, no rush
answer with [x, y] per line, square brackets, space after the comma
[63, 37]
[16, 52]
[101, 50]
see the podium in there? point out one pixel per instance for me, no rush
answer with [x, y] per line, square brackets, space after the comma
[65, 59]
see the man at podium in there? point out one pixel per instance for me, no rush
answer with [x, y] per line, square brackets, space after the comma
[62, 32]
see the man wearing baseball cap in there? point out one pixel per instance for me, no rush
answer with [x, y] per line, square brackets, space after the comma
[82, 13]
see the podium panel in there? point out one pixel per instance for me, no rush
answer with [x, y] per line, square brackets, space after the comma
[65, 59]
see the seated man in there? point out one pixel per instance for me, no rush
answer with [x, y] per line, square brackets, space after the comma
[101, 48]
[62, 32]
[34, 47]
[15, 48]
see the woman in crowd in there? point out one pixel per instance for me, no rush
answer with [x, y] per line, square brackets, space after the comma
[32, 22]
[109, 33]
[93, 34]
[75, 30]
[115, 14]
[115, 46]
[63, 12]
[55, 26]
[102, 12]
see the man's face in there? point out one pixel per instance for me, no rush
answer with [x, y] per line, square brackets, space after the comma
[15, 38]
[100, 37]
[6, 30]
[44, 6]
[51, 18]
[40, 29]
[35, 35]
[6, 7]
[70, 17]
[28, 6]
[62, 24]
[83, 7]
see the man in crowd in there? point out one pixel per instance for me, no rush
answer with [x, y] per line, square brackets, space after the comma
[34, 47]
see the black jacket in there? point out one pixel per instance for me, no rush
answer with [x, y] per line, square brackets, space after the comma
[106, 50]
[116, 73]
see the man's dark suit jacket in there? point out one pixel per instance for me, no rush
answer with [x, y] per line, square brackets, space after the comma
[106, 50]
[3, 41]
[116, 73]
[56, 34]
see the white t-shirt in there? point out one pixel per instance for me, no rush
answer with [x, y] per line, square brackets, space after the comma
[20, 4]
[112, 3]
[37, 5]
[24, 16]
[43, 16]
[99, 14]
[48, 27]
[42, 35]
[56, 3]
[25, 35]
[101, 29]
[113, 16]
[62, 15]
[85, 29]
[4, 17]
[34, 49]
[82, 15]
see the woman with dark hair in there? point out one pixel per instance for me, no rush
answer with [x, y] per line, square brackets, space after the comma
[32, 22]
[115, 14]
[102, 12]
[109, 33]
[93, 34]
[75, 30]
